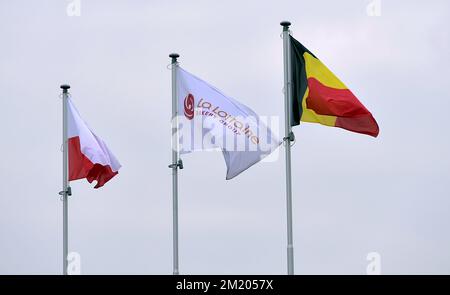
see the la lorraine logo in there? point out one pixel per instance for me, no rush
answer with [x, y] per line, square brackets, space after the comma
[189, 106]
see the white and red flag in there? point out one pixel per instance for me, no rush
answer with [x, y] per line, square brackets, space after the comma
[89, 157]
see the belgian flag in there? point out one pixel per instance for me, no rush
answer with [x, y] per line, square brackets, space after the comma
[318, 96]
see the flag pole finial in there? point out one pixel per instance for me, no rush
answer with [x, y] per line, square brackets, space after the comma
[65, 87]
[285, 24]
[174, 56]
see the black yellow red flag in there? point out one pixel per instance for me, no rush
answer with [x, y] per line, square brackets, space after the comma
[318, 96]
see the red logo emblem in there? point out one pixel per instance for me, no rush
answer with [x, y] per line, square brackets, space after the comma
[189, 106]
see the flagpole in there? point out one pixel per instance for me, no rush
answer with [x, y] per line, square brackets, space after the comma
[176, 162]
[65, 185]
[289, 136]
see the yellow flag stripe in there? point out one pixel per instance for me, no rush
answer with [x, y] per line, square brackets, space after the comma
[316, 69]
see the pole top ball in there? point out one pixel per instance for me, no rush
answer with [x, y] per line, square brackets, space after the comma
[285, 23]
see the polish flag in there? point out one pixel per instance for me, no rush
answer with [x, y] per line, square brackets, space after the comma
[89, 157]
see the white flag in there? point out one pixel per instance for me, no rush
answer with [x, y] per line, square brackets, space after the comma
[208, 119]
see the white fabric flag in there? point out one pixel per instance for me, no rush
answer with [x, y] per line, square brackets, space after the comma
[208, 119]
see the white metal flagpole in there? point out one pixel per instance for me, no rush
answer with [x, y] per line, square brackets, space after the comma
[289, 136]
[176, 162]
[65, 185]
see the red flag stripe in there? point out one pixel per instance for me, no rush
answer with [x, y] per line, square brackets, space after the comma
[81, 167]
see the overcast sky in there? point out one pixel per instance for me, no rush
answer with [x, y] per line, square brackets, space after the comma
[352, 194]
